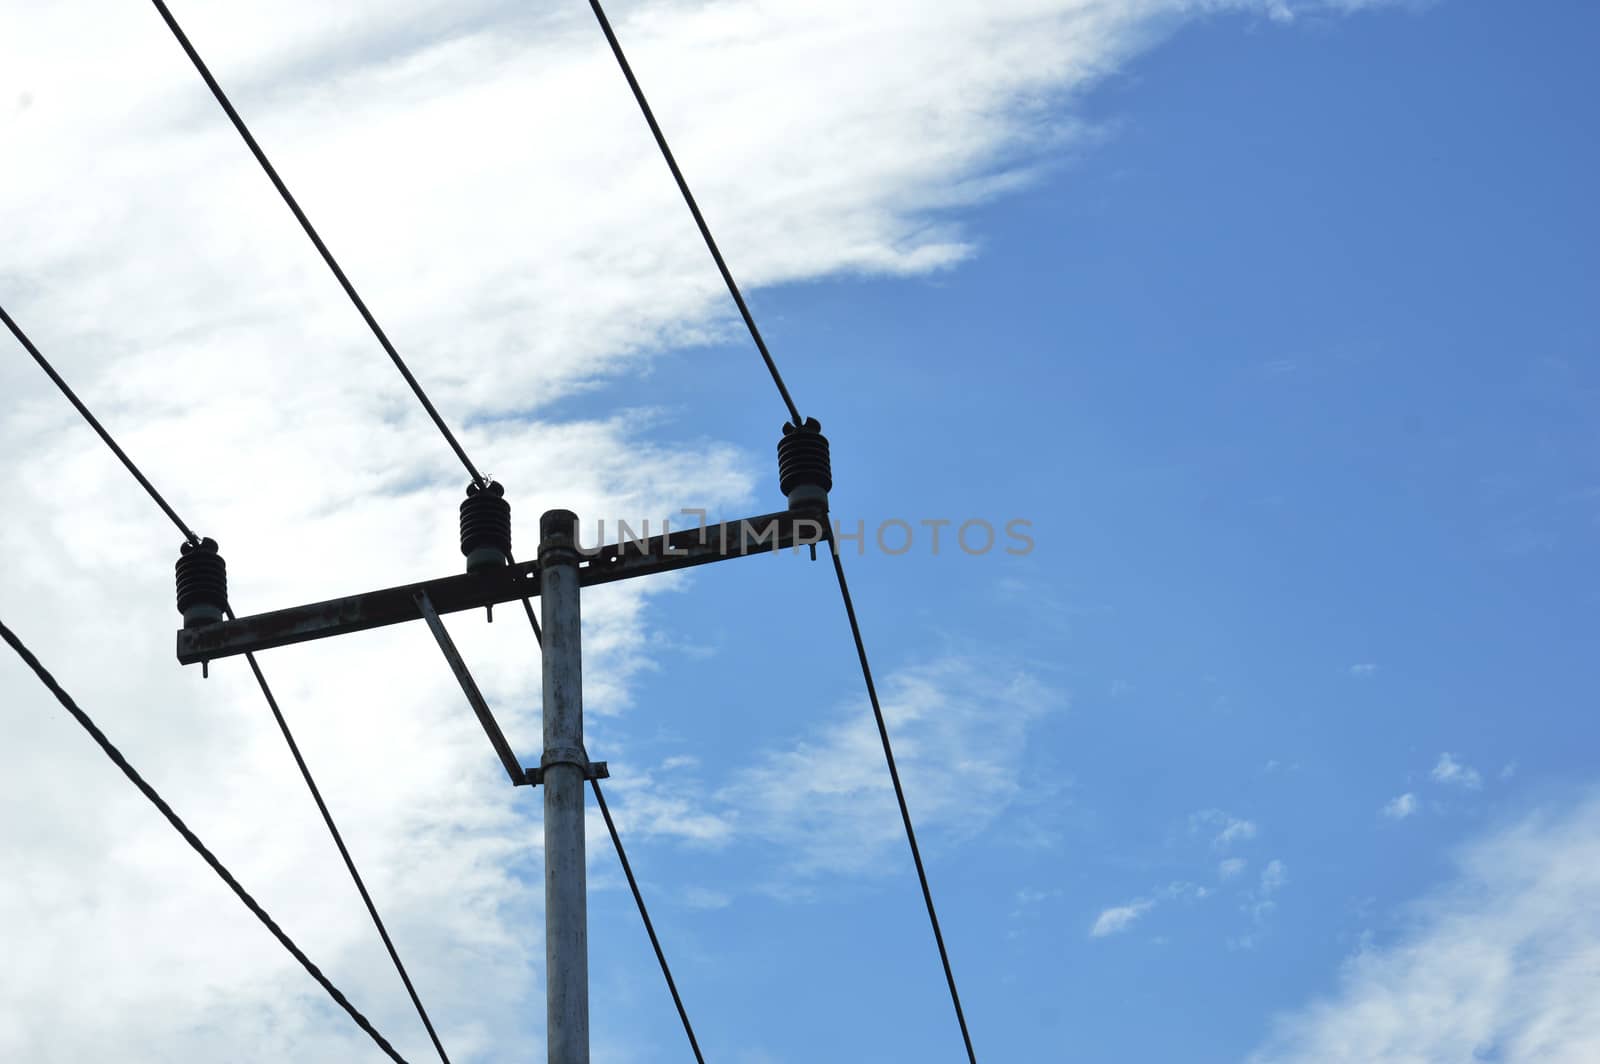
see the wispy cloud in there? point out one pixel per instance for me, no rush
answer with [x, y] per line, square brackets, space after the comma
[825, 800]
[146, 254]
[1451, 772]
[1226, 830]
[706, 898]
[1230, 867]
[822, 799]
[1364, 670]
[1401, 806]
[1498, 964]
[1273, 878]
[1120, 918]
[1260, 903]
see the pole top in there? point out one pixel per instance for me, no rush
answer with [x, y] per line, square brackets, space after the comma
[558, 536]
[558, 523]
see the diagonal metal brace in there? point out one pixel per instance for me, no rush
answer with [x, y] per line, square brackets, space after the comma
[469, 687]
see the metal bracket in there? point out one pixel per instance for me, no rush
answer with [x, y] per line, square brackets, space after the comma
[592, 770]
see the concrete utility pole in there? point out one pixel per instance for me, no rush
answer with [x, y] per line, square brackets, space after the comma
[565, 765]
[561, 571]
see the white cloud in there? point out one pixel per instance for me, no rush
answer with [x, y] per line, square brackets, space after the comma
[696, 897]
[1364, 670]
[1273, 878]
[1450, 771]
[1502, 963]
[1226, 828]
[1401, 806]
[642, 807]
[824, 799]
[481, 173]
[1119, 918]
[1230, 867]
[1259, 904]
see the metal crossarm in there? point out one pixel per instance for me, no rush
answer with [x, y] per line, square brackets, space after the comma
[766, 534]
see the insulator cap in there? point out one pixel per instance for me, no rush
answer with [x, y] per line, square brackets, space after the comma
[805, 475]
[202, 578]
[485, 527]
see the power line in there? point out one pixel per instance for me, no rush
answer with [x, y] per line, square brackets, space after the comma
[650, 928]
[394, 355]
[261, 680]
[694, 208]
[900, 796]
[94, 423]
[838, 565]
[316, 240]
[344, 852]
[416, 388]
[527, 607]
[192, 839]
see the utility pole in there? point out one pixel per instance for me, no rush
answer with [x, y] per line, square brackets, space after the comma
[565, 766]
[562, 570]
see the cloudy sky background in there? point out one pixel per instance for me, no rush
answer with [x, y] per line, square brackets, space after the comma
[1267, 314]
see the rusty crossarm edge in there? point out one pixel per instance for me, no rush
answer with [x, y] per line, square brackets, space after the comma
[767, 534]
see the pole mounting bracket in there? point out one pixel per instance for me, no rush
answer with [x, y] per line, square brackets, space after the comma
[592, 770]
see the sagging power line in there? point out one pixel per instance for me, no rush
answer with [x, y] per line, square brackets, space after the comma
[838, 564]
[117, 758]
[213, 630]
[206, 558]
[694, 209]
[198, 550]
[316, 240]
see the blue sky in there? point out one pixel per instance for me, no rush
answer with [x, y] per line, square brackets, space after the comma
[1279, 331]
[1293, 372]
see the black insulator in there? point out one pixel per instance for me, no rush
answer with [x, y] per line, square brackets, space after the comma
[202, 583]
[486, 527]
[805, 474]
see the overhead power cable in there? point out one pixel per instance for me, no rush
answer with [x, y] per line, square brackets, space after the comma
[838, 565]
[316, 239]
[192, 839]
[650, 928]
[344, 852]
[900, 797]
[527, 607]
[94, 423]
[694, 208]
[261, 681]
